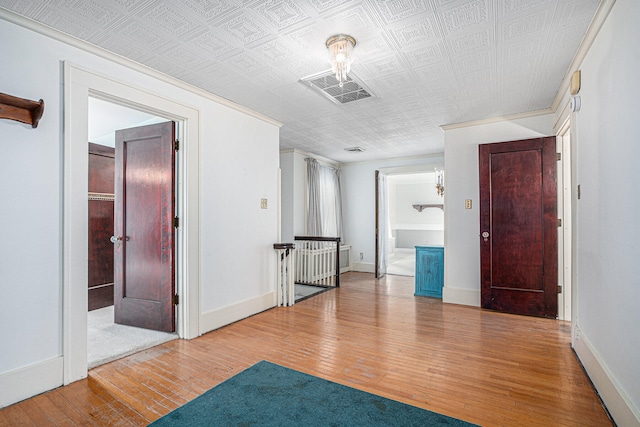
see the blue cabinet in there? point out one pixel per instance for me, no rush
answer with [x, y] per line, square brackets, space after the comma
[429, 271]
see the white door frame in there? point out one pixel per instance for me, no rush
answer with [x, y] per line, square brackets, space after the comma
[79, 84]
[563, 146]
[408, 170]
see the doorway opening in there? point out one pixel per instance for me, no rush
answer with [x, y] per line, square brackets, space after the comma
[409, 213]
[412, 226]
[106, 339]
[79, 85]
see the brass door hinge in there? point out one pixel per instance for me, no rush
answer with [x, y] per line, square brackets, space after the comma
[176, 145]
[176, 222]
[559, 222]
[559, 289]
[558, 156]
[176, 299]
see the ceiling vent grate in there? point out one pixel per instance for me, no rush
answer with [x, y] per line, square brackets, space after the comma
[354, 149]
[327, 84]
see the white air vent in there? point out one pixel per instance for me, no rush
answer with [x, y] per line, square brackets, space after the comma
[354, 149]
[327, 84]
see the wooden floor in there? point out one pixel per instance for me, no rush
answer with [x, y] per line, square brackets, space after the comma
[488, 368]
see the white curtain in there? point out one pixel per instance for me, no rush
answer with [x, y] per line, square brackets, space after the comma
[324, 200]
[383, 225]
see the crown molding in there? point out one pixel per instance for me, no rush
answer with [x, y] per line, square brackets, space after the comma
[339, 164]
[497, 119]
[52, 33]
[594, 28]
[315, 156]
[396, 159]
[412, 169]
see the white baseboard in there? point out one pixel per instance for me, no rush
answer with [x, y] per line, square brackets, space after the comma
[461, 296]
[26, 382]
[363, 267]
[220, 317]
[622, 410]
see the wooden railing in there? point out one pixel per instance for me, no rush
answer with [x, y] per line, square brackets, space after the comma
[317, 261]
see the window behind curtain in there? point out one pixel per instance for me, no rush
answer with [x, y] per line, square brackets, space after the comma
[324, 206]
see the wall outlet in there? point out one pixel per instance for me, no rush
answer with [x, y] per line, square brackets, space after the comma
[263, 203]
[467, 204]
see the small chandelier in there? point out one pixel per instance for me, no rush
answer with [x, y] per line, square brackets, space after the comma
[440, 182]
[340, 49]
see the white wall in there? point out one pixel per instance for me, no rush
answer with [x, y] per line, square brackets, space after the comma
[358, 194]
[409, 226]
[606, 155]
[461, 236]
[238, 260]
[293, 170]
[238, 166]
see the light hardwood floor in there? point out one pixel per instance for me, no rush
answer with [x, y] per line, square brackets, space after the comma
[488, 368]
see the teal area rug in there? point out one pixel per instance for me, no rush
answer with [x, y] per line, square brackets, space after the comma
[272, 395]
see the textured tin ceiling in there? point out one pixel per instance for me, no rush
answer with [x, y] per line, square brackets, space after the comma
[429, 62]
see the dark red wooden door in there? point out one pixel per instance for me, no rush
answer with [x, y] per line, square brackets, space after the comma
[144, 266]
[100, 266]
[518, 227]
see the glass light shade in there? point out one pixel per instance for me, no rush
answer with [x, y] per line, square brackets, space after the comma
[340, 48]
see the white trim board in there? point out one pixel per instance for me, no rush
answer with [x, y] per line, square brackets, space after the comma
[508, 118]
[319, 158]
[413, 169]
[31, 380]
[220, 317]
[618, 404]
[363, 267]
[79, 84]
[461, 296]
[399, 159]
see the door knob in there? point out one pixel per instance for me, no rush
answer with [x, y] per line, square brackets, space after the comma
[485, 236]
[115, 239]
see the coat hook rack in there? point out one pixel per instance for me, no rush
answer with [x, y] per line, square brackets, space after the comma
[20, 109]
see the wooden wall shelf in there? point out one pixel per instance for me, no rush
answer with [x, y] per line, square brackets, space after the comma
[420, 208]
[20, 109]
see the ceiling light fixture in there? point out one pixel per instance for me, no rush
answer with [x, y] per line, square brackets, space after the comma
[340, 49]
